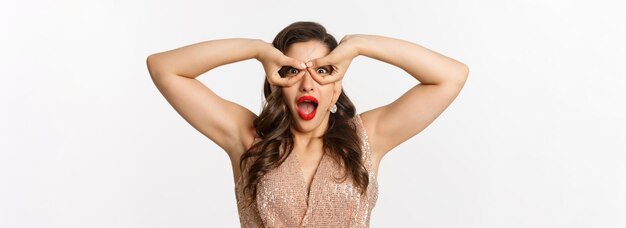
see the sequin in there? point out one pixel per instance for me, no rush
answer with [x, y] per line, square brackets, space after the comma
[282, 200]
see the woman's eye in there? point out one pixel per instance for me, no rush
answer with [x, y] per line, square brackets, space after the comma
[293, 71]
[322, 70]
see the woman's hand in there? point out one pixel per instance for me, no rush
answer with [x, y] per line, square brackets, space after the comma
[340, 59]
[273, 60]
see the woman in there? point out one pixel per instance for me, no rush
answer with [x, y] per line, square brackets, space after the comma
[308, 159]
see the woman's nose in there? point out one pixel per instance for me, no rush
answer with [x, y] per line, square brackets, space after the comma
[307, 83]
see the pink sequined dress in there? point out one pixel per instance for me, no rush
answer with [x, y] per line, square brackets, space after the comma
[282, 200]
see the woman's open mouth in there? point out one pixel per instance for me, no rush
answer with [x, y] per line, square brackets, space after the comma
[306, 106]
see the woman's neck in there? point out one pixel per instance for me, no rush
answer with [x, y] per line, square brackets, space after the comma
[310, 139]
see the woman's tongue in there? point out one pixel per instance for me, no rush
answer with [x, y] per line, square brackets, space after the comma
[306, 107]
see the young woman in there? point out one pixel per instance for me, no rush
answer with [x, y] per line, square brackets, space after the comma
[308, 159]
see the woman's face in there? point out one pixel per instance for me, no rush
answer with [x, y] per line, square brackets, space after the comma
[308, 101]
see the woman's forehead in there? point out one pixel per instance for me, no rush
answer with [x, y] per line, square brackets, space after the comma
[305, 51]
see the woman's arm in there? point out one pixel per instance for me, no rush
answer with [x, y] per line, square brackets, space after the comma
[439, 79]
[227, 124]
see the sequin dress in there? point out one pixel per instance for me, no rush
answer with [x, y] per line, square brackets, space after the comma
[282, 200]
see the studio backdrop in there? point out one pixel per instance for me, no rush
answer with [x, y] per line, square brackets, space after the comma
[535, 138]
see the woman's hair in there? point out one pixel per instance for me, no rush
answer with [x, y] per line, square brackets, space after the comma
[340, 140]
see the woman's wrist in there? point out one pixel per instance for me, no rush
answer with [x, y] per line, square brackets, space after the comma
[261, 47]
[356, 41]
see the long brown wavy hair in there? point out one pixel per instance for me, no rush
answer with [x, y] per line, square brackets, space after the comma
[340, 140]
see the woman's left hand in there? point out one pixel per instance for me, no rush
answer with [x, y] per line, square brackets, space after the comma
[339, 59]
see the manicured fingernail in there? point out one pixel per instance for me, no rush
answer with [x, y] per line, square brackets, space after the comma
[303, 65]
[309, 64]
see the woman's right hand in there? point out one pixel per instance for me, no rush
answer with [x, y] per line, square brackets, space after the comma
[273, 60]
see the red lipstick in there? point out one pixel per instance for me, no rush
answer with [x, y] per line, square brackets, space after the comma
[307, 107]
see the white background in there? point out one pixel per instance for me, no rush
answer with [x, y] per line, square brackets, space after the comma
[535, 139]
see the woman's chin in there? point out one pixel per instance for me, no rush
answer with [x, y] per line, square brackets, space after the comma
[307, 125]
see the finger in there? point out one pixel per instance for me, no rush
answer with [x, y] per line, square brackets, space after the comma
[322, 80]
[318, 78]
[292, 80]
[319, 62]
[337, 75]
[285, 82]
[330, 79]
[293, 62]
[276, 80]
